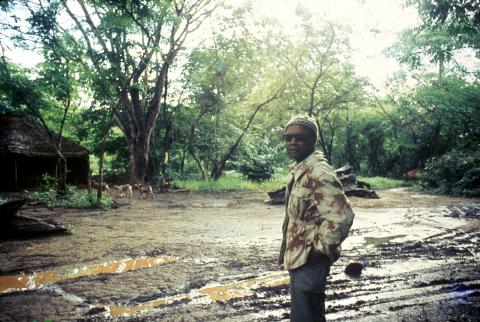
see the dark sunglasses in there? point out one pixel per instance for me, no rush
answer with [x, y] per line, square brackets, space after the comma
[298, 137]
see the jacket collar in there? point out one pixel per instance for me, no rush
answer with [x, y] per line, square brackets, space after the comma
[297, 169]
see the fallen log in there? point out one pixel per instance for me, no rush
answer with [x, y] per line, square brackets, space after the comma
[363, 184]
[347, 180]
[351, 186]
[13, 225]
[344, 171]
[277, 197]
[361, 193]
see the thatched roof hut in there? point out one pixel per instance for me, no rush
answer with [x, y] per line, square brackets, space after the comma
[27, 153]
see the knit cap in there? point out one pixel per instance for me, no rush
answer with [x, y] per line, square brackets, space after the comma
[304, 120]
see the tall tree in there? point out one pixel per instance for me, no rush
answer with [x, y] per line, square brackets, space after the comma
[128, 47]
[323, 80]
[18, 92]
[231, 83]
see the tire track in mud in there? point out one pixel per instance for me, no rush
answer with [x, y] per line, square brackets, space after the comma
[439, 275]
[436, 279]
[424, 279]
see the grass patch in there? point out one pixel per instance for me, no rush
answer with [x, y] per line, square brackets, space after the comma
[47, 195]
[73, 199]
[235, 181]
[382, 183]
[232, 181]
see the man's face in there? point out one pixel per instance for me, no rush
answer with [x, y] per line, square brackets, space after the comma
[299, 142]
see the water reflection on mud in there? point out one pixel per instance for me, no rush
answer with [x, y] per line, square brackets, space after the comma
[23, 282]
[209, 293]
[417, 262]
[380, 240]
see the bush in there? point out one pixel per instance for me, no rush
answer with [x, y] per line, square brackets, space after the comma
[72, 199]
[382, 183]
[455, 172]
[48, 183]
[257, 169]
[470, 183]
[47, 195]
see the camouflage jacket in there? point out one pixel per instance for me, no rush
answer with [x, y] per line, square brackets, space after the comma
[318, 214]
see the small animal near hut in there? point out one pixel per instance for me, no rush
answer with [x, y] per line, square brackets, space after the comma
[412, 174]
[145, 191]
[104, 186]
[122, 190]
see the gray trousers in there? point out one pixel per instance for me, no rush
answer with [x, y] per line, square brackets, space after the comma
[307, 291]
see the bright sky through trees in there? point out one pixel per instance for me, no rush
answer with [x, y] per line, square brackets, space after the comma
[374, 24]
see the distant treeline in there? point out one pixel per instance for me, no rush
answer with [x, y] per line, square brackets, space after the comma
[119, 79]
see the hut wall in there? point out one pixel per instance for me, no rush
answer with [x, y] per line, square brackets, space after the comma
[78, 169]
[31, 169]
[20, 171]
[7, 170]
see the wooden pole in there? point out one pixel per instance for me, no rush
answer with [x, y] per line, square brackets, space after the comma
[15, 172]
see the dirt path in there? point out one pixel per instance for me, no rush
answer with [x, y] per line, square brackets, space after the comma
[211, 257]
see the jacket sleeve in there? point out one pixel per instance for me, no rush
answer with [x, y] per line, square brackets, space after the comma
[335, 215]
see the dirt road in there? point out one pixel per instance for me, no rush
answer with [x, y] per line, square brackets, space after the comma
[212, 257]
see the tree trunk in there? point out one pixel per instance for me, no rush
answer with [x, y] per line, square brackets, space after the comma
[435, 145]
[62, 180]
[62, 161]
[440, 71]
[100, 174]
[138, 159]
[324, 145]
[217, 169]
[182, 161]
[102, 155]
[126, 65]
[191, 148]
[168, 128]
[350, 148]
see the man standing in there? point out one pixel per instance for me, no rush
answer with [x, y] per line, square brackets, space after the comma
[317, 219]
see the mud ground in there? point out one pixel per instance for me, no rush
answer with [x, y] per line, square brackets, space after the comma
[421, 255]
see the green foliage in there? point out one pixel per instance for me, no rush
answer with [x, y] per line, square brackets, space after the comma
[382, 183]
[374, 133]
[455, 172]
[45, 320]
[74, 198]
[3, 200]
[232, 181]
[459, 18]
[258, 156]
[48, 183]
[214, 89]
[257, 169]
[447, 26]
[228, 86]
[17, 90]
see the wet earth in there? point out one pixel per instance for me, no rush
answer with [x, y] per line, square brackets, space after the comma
[212, 257]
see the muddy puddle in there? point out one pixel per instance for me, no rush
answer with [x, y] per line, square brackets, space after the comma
[218, 263]
[24, 282]
[205, 295]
